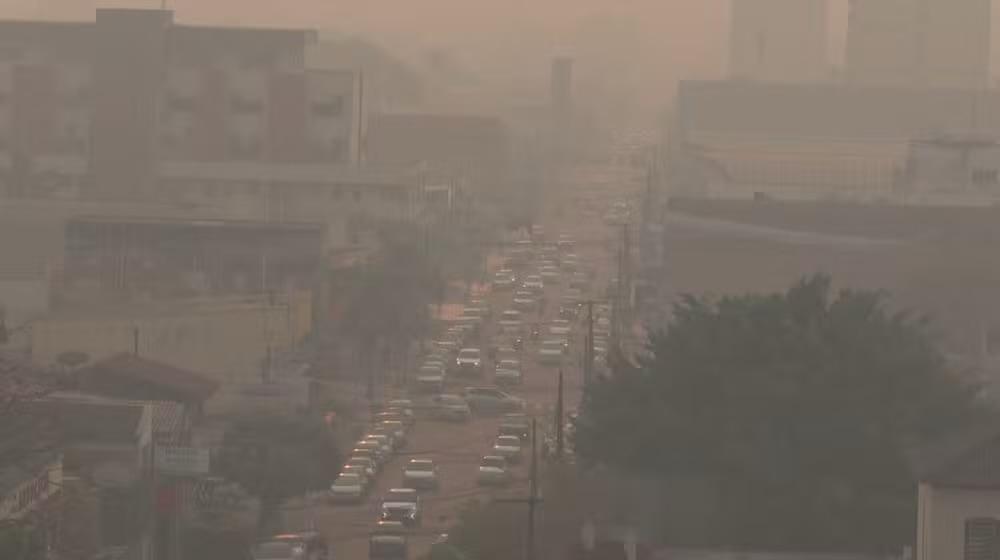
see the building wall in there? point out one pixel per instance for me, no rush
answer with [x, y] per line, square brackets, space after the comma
[927, 43]
[941, 517]
[133, 90]
[225, 339]
[335, 119]
[778, 40]
[130, 50]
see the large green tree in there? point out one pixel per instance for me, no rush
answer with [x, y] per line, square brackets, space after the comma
[277, 457]
[796, 407]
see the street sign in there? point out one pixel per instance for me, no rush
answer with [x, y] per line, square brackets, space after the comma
[182, 461]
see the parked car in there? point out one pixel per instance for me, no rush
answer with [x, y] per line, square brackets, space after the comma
[524, 301]
[385, 443]
[367, 478]
[560, 327]
[510, 321]
[504, 279]
[508, 447]
[469, 362]
[421, 474]
[533, 283]
[429, 379]
[450, 407]
[550, 352]
[404, 407]
[309, 545]
[349, 488]
[508, 372]
[372, 450]
[515, 424]
[388, 542]
[402, 505]
[396, 440]
[398, 430]
[493, 471]
[491, 400]
[363, 462]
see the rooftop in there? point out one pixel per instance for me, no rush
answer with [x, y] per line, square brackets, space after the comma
[185, 384]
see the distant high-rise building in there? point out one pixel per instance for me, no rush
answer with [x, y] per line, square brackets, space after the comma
[919, 43]
[778, 40]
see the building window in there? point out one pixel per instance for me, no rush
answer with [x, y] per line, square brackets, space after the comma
[981, 539]
[177, 103]
[333, 107]
[243, 106]
[984, 177]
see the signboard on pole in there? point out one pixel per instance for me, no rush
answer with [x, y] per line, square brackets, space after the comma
[182, 461]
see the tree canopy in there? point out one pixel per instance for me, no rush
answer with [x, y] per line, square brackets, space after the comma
[277, 457]
[799, 406]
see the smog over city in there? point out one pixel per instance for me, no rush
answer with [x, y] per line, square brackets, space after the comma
[469, 280]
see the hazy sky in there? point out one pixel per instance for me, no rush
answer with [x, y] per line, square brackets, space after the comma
[507, 41]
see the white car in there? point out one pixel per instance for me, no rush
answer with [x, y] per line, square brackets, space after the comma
[421, 474]
[349, 488]
[508, 447]
[550, 274]
[504, 280]
[510, 322]
[560, 327]
[533, 283]
[493, 471]
[524, 300]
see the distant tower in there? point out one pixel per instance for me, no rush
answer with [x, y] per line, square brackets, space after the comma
[562, 101]
[778, 40]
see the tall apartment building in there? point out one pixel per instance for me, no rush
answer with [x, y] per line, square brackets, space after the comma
[919, 43]
[778, 40]
[105, 104]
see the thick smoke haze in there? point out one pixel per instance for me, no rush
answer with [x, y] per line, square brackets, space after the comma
[629, 51]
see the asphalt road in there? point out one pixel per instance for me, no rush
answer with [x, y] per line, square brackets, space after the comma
[458, 448]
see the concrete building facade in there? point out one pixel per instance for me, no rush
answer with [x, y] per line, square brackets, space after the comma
[919, 43]
[97, 107]
[778, 40]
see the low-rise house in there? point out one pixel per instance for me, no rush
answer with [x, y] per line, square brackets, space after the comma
[128, 376]
[958, 508]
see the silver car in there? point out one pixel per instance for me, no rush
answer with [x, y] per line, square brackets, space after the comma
[450, 407]
[508, 447]
[493, 471]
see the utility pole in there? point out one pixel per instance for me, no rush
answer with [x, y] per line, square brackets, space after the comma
[588, 351]
[533, 498]
[559, 419]
[532, 493]
[135, 341]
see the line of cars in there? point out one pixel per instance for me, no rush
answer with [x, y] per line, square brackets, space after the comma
[386, 435]
[495, 468]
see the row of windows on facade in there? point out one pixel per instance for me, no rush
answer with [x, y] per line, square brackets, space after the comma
[239, 105]
[73, 142]
[179, 103]
[224, 190]
[794, 173]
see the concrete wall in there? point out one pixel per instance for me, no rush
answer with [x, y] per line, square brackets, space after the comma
[224, 338]
[941, 517]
